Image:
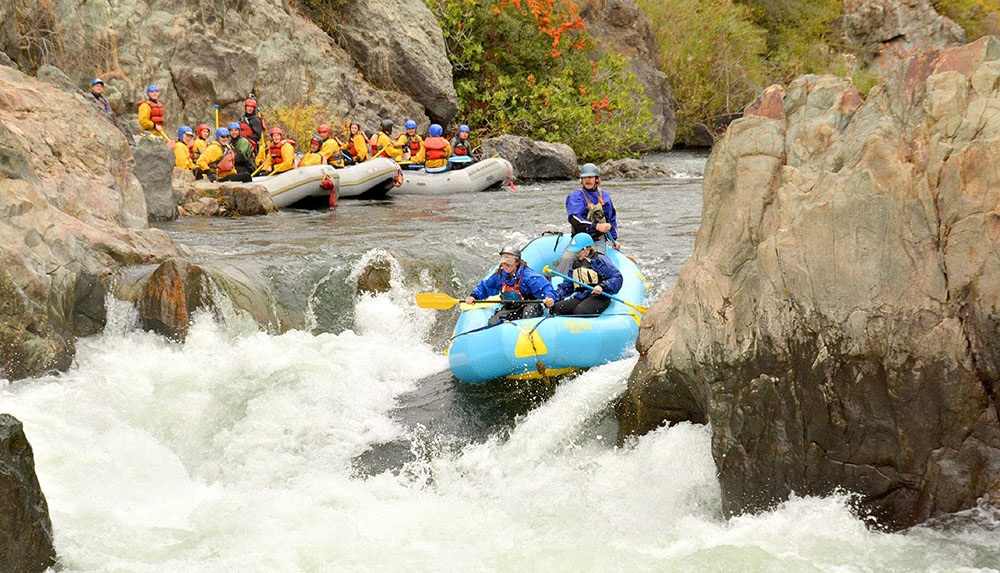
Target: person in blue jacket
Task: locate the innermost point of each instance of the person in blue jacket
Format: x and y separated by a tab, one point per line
591	268
590	210
515	281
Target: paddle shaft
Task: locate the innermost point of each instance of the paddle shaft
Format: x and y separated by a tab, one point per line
549	270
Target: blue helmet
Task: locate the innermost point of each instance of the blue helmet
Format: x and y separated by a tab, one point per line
96	81
580	241
434	130
221	132
152	88
410	124
184	129
462	128
234	125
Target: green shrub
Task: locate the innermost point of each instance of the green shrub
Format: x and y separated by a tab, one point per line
977	17
299	121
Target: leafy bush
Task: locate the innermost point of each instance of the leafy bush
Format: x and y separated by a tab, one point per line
526	67
299	121
977	17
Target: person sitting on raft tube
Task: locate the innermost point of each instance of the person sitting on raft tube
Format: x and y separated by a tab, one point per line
151	113
591	211
513	281
278	155
329	147
182	149
591	268
436	150
385	145
201	141
219	160
412	144
245	162
461	146
356	148
315	156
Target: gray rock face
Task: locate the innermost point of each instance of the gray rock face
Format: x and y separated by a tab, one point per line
398	44
154	167
620	25
25	527
915	23
55	77
225	199
533	159
837	321
628	168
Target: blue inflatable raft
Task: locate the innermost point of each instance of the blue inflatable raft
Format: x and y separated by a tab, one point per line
549	345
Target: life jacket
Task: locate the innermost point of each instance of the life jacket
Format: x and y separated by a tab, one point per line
351	150
435	147
461	146
102	101
519	273
595	212
413	143
155	111
227	162
583	272
193	152
274	150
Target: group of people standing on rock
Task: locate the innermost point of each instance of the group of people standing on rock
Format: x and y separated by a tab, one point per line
241	150
594	223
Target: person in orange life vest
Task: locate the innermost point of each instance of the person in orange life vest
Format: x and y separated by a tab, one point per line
384	144
200	142
590	268
278	155
591	211
412	144
514	281
330	147
436	150
315	155
356	148
252	123
151	116
461	146
219	160
182	149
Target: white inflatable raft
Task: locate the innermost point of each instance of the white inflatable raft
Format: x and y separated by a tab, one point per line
370	179
302	186
479	176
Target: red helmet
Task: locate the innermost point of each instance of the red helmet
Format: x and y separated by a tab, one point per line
250	102
277	130
201	127
323	130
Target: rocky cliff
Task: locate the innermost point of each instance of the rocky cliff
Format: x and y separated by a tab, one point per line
914	24
25	527
837	321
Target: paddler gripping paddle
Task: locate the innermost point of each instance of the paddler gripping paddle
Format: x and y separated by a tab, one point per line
547	271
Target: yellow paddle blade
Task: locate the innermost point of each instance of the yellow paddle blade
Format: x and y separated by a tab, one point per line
638	307
437	300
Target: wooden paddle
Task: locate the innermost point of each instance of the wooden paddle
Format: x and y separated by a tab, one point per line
547	271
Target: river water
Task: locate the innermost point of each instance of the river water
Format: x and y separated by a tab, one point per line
345	445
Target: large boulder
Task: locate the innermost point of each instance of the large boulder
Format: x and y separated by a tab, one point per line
621	26
871	24
533	159
202	53
398	45
25	527
70	207
154	167
837	321
224	199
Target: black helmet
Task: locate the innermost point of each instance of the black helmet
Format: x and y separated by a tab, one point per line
511	251
387	125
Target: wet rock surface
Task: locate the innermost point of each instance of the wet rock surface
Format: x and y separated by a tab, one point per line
836	322
533	159
25	528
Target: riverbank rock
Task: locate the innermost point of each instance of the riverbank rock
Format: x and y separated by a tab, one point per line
629	168
533	159
154	167
25	527
910	25
201	54
837	321
70	207
398	45
621	26
225	199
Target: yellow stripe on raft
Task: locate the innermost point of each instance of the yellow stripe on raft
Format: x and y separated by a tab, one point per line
534	375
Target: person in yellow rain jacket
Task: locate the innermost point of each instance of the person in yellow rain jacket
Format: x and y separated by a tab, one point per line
219	160
278	155
200	141
315	155
437	150
384	144
151	113
356	148
330	147
412	144
182	149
